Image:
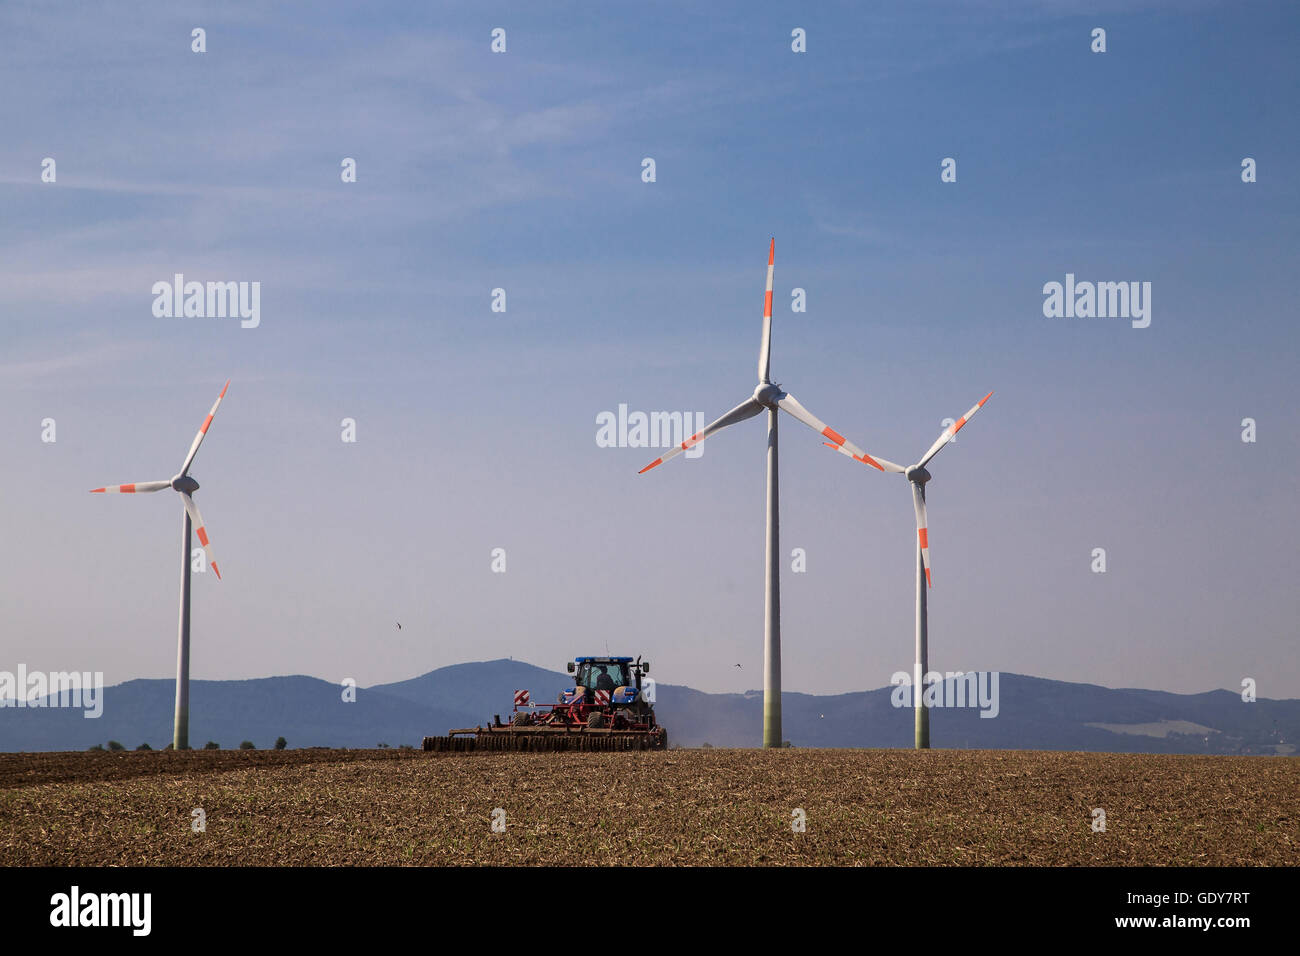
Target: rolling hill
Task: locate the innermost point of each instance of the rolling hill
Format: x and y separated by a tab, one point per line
1033	714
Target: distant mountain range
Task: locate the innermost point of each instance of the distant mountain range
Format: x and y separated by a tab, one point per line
1033	714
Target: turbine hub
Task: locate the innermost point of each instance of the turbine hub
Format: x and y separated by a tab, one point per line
917	474
185	483
768	395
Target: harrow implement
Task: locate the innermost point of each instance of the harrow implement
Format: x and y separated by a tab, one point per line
539	739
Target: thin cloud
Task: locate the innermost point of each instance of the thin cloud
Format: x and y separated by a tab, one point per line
53	369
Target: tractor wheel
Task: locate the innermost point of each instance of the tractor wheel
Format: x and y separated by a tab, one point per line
596	719
663	739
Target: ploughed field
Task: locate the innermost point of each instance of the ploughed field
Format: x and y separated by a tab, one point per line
363	807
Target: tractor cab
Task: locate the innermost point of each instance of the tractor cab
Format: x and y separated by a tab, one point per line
607	680
605	673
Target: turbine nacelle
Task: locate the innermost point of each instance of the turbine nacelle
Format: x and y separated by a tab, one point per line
917	474
185	484
768	395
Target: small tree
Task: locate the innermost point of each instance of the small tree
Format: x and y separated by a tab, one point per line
99	747
170	747
114	745
246	745
144	746
281	743
212	745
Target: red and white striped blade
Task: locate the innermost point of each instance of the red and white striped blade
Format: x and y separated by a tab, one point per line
200	531
765	348
883	464
203	430
746	409
138	488
922	529
790	404
952	430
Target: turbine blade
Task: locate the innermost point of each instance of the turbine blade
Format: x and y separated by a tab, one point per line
139	488
203	430
883	464
765	348
922	529
200	531
791	405
952	430
746	409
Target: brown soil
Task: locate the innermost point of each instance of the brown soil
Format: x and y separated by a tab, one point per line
364	807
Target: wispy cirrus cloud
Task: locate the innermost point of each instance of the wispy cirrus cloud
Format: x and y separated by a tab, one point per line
78	355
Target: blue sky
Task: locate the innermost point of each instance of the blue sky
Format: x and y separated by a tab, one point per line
476	429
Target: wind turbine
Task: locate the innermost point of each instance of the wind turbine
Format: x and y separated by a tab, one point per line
185	486
918	476
770	397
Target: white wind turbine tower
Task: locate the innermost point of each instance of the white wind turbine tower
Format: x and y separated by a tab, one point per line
771	397
918	476
186	486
